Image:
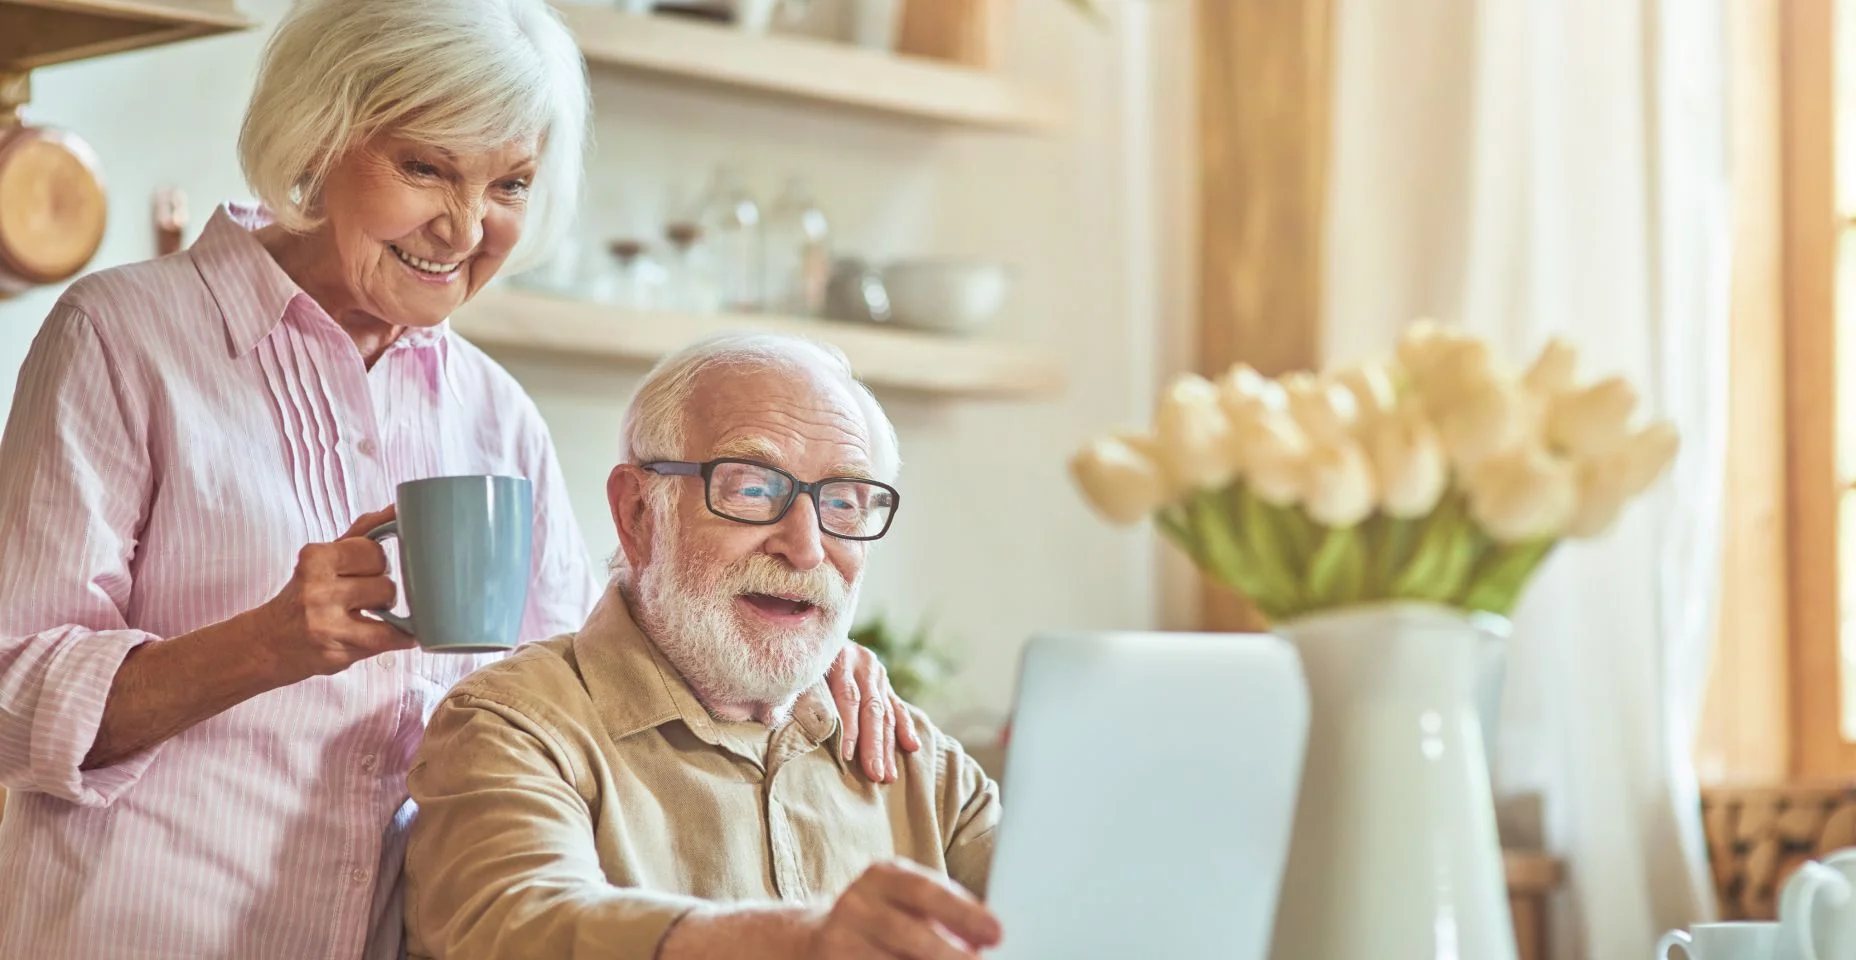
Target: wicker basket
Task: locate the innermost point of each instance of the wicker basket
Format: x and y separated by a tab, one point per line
1758	835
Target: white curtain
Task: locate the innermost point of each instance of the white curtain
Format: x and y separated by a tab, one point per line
1529	168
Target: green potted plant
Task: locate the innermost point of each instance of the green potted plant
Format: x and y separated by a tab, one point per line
917	665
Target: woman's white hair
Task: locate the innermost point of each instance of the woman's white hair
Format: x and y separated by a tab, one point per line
463	75
655	423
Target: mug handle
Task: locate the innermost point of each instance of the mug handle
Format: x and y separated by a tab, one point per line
390	529
1673	939
1799	900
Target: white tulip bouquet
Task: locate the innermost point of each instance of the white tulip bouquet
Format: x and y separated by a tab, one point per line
1437	475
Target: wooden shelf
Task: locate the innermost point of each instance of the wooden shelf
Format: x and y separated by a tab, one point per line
522	322
813	70
39	33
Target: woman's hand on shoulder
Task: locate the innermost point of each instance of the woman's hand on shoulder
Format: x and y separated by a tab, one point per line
316	624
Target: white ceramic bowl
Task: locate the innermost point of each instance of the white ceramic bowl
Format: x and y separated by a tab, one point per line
947	296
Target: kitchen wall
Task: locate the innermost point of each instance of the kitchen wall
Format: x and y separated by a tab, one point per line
993	540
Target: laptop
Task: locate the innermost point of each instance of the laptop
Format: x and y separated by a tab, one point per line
1150	790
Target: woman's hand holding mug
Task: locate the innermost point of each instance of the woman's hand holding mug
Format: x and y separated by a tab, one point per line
318	624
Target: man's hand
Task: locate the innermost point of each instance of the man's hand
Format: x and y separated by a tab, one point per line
900	911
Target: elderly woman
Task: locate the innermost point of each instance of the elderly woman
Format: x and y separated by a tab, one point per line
205	734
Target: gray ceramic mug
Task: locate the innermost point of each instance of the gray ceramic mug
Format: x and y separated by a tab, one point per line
464	557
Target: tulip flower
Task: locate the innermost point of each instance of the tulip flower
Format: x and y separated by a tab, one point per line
1325	411
1408	462
1242	389
1609	481
1371	387
1647	454
1587	423
1524	494
1274	454
1552	372
1195	435
1120	482
1340	484
1488	419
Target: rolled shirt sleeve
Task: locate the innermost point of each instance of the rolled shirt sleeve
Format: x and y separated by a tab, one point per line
74	487
501	861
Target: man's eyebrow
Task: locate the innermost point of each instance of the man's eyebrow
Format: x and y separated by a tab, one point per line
748	448
860	471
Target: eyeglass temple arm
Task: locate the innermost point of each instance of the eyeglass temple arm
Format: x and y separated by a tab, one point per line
673	468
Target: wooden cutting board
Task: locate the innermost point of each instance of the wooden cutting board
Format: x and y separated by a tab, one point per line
53	208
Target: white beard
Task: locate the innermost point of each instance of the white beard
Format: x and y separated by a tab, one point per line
690	614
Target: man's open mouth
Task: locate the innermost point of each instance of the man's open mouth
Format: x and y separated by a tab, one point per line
777	605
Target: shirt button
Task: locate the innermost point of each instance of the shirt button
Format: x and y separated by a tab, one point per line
369	762
366	446
386	660
359	876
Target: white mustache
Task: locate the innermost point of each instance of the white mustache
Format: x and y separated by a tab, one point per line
759	573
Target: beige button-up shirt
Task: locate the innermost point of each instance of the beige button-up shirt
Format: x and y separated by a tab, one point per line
576	799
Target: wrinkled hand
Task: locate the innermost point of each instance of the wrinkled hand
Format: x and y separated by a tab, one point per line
315	625
874	719
900	911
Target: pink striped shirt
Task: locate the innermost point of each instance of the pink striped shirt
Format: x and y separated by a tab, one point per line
181	428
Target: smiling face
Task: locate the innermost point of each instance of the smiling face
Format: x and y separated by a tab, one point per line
411	231
749	614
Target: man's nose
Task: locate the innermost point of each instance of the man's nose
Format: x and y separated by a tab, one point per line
796	538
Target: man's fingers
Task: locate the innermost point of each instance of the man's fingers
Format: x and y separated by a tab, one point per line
930	897
368	521
907	937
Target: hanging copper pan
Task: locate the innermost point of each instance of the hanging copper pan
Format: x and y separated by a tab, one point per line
53	208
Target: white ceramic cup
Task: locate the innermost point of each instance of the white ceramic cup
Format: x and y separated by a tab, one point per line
1720	941
1817	911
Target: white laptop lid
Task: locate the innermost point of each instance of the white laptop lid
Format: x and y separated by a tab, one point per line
1150	793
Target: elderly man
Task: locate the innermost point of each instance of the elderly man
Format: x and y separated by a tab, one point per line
670	783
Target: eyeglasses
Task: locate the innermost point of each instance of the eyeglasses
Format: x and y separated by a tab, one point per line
748	491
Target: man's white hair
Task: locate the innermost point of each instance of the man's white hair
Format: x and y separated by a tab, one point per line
464	75
655	426
656	423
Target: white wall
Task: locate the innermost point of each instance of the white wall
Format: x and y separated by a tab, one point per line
993	538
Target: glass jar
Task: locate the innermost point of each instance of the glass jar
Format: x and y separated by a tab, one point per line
797	251
730	223
633	279
691	283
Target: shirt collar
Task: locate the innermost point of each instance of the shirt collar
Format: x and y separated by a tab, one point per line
255	294
635	689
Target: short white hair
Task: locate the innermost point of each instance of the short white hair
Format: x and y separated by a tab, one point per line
463	75
656	422
656	425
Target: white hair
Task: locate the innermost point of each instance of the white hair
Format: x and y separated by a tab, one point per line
463	75
655	426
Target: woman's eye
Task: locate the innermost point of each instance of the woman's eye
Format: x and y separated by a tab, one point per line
419	168
515	188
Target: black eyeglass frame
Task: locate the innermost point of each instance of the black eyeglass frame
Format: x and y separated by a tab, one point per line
706	469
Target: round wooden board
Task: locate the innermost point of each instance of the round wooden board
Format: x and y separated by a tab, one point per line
53	209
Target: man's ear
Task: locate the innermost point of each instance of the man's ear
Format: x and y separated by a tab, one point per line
631	513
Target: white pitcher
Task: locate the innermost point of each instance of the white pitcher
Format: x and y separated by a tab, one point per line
1816	912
